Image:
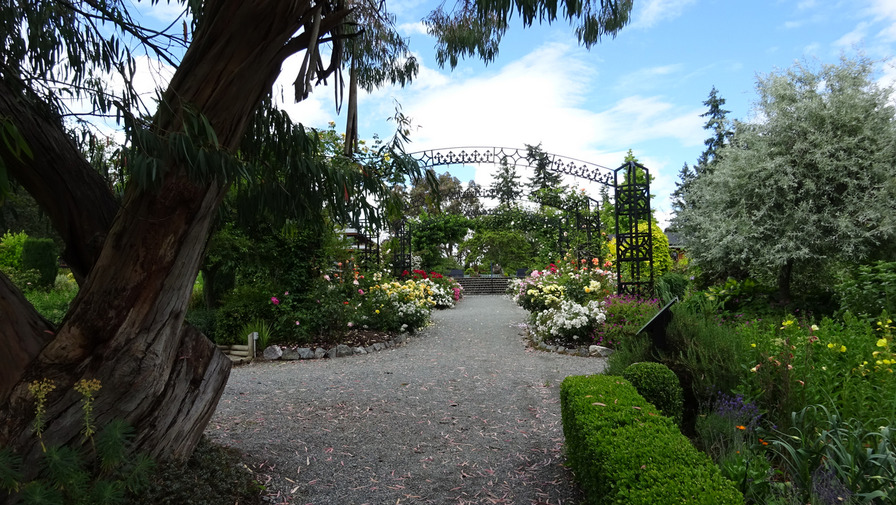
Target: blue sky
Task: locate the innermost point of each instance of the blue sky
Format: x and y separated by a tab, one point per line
642	90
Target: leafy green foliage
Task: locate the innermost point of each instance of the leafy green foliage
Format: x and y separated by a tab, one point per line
243	305
662	257
507	248
11	245
869	290
68	475
506	186
443	193
659	385
476	28
671	285
41	254
706	353
435	237
831	459
623	451
53	304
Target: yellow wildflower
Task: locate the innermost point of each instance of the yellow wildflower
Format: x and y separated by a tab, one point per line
882	342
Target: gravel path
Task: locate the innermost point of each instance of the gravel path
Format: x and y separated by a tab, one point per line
463	413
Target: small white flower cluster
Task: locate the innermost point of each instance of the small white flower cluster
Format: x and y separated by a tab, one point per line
569	321
441	294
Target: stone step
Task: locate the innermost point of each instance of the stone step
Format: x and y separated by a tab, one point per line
484	285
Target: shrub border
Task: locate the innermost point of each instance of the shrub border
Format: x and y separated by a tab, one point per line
624	452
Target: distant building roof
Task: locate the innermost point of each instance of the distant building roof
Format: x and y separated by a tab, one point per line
675	240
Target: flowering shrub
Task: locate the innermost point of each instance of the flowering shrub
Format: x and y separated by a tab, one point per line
569	322
565	301
626	314
345	298
581	281
849	364
397	306
445	290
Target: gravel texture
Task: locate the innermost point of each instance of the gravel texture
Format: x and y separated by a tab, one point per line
463	413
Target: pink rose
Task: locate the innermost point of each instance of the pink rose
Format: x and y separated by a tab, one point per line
275	301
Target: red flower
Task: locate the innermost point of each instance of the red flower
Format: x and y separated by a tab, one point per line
275	301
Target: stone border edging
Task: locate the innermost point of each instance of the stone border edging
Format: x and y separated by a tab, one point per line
277	353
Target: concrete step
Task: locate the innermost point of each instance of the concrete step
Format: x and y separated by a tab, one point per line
484	285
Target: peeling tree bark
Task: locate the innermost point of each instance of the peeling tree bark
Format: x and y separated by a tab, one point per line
126	326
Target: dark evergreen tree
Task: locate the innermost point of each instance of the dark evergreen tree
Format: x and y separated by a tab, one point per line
543	178
506	186
720	127
685	176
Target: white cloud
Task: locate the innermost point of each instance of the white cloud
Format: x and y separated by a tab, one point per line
646	78
655	11
545	97
812	49
855	37
417	28
150	76
884	11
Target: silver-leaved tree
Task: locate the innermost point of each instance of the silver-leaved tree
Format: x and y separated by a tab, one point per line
806	186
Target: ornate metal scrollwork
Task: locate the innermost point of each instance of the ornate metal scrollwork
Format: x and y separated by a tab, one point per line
634	246
514	156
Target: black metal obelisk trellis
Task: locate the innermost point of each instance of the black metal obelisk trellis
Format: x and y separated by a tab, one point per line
634	242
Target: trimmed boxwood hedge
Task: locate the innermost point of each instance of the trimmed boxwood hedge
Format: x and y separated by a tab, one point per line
624	452
659	385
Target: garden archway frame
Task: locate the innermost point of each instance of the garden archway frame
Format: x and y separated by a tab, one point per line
634	243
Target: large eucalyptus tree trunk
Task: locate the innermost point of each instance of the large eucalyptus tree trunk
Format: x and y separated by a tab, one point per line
126	326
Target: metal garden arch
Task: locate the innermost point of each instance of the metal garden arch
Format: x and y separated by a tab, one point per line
631	190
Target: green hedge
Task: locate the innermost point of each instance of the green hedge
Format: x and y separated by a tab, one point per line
659	385
624	452
41	254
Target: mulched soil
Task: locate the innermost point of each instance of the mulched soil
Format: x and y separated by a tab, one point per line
352	338
464	413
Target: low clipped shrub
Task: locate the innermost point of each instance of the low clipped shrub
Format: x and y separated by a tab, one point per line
659	385
624	452
41	254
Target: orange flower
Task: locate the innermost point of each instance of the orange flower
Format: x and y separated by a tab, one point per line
741	427
763	442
